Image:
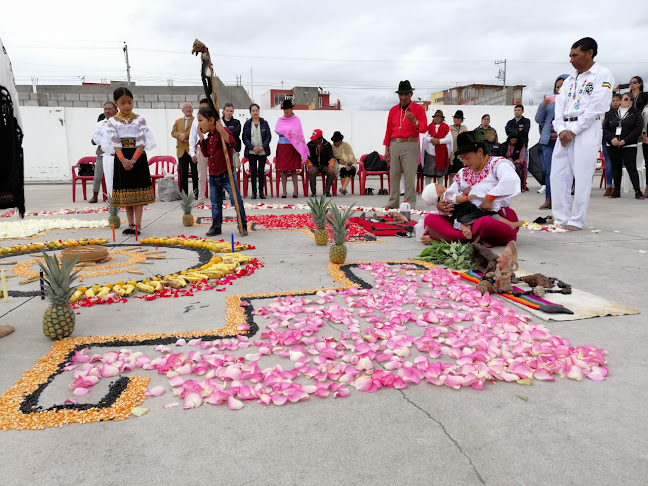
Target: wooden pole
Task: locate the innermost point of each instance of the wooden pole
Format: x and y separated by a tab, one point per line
199	47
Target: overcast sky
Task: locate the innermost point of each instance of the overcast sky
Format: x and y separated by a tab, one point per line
357	50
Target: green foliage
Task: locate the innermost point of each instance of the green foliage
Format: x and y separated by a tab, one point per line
453	255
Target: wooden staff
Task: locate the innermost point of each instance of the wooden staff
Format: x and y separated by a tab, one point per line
200	48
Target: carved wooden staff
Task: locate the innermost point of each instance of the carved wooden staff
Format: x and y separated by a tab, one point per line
209	84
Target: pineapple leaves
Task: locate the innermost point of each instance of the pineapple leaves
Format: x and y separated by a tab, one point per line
59	277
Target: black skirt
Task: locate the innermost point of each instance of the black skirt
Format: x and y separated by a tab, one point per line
132	187
12	183
468	213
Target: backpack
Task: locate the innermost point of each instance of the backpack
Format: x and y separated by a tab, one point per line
373	163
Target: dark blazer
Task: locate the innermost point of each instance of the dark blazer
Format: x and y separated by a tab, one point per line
631	126
266	136
234	127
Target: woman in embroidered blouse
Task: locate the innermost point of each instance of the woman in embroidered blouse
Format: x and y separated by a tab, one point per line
494	181
129	134
256	138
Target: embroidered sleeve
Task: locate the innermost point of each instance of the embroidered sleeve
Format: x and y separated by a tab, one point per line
110	139
144	135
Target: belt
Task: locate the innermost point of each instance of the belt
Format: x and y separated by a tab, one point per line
128	143
575	118
408	139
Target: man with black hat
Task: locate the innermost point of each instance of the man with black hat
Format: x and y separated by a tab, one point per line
405	122
320	161
345	158
456	128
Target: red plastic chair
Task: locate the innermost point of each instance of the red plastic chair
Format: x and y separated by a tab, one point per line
278	177
420	181
363	174
323	177
162	163
75	177
601	167
245	170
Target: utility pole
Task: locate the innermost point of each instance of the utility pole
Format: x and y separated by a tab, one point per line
502	73
127	64
251	86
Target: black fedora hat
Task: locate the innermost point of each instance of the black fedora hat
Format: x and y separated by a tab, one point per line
337	137
404	87
467	142
287	103
459	114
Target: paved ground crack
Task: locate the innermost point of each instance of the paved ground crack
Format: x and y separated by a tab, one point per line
445	431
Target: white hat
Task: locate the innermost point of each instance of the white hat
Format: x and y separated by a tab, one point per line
430	196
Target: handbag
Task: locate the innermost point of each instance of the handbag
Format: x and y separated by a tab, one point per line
86	170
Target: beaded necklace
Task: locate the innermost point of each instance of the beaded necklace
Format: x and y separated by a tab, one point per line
125	118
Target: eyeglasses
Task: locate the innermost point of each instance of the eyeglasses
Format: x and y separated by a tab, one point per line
634	82
626	99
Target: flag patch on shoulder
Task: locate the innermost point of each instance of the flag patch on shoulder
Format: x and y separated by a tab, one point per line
607	85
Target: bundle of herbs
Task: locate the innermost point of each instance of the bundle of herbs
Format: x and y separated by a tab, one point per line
453	255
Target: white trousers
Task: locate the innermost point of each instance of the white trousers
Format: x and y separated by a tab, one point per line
109	172
203	175
575	162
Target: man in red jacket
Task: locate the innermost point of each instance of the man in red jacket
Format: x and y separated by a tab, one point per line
405	122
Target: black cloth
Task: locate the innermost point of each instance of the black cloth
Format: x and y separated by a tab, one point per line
184	164
455	166
522	127
132	187
346	171
12	180
266	137
535	163
624	157
322	156
641	101
257	171
468	213
631	126
234	127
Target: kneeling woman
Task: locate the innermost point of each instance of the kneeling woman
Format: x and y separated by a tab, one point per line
492	178
128	135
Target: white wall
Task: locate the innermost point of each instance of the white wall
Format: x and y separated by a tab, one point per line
56	138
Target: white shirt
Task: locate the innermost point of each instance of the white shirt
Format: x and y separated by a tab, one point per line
193	138
116	129
428	147
584	95
100	134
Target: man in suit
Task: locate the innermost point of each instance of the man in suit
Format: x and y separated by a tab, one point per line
181	131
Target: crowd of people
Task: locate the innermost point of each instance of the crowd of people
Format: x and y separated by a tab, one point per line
571	136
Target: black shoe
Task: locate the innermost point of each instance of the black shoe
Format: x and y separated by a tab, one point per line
639	195
313	194
295	196
615	194
284	196
343	192
262	196
328	194
213	231
128	231
245	231
253	196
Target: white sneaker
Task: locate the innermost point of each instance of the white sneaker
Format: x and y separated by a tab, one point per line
542	189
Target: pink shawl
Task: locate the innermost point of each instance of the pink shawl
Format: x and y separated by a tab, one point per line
291	129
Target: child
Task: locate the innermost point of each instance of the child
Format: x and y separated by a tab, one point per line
128	135
212	148
466	207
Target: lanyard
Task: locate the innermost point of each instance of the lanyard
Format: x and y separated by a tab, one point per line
624	116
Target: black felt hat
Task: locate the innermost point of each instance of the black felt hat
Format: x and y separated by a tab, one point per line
459	114
467	142
404	87
337	137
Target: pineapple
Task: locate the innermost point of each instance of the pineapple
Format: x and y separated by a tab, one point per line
113	211
186	203
338	221
319	208
58	321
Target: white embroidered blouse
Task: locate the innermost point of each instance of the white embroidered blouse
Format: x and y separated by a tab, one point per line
118	128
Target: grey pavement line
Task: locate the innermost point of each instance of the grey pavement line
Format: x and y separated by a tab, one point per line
8	312
445	431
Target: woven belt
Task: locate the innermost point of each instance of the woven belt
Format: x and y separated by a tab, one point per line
408	139
128	143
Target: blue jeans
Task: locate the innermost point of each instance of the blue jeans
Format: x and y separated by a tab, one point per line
216	185
547	152
608	166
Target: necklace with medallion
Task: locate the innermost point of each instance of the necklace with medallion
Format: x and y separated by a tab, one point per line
402	116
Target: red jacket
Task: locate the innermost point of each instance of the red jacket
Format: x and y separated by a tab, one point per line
212	148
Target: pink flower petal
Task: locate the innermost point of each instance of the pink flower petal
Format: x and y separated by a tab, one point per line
234	404
79	392
171	405
192	400
155	391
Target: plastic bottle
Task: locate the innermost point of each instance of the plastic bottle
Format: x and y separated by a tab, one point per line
405	209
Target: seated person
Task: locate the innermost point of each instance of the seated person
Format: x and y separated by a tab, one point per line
466	207
345	159
515	151
320	161
494	181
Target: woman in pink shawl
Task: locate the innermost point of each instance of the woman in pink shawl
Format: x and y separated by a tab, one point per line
292	151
